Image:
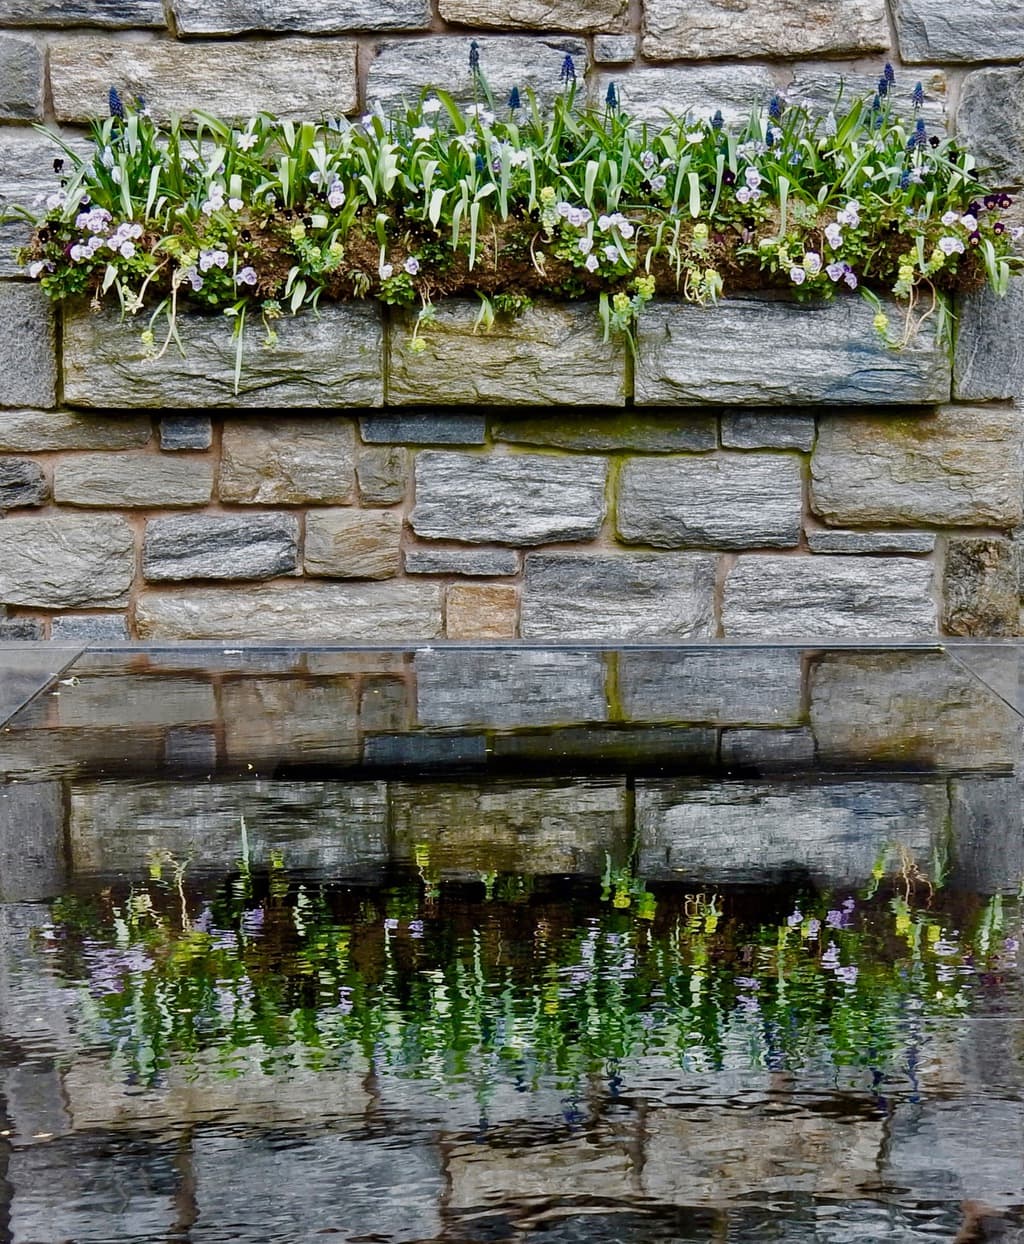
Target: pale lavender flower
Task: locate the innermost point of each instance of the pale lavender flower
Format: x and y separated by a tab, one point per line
830	959
745	194
585	245
812	263
412	265
416	928
658	183
949	218
797	275
591	263
197	283
969	222
611	253
236	205
336	195
247	276
850	214
36	269
752	177
386	271
127	249
951	246
836	270
796	918
390	924
850	277
813	927
848	975
648	159
834	235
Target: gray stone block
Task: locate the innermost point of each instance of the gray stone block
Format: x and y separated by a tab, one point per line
471	562
424	751
878	598
933	30
186	432
220	546
330	359
26	177
614	49
191	747
980	590
763	352
53	561
752	430
990	123
295	78
602	747
988	834
402	68
518	499
989	358
705	29
140	480
22	483
353	544
298	613
817	88
724	500
821	540
21	628
36	431
90	627
118	14
28	347
550	355
532	15
668	433
287	461
766	751
955	466
648	92
383	475
21	78
618	596
404	428
319	17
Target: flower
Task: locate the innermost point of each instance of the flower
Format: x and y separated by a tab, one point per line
567	73
951	246
658	183
746	195
590	263
850	277
797	275
796	918
812	263
127	249
236	205
717	121
889	74
430	106
648	159
386	271
412	265
247	276
850	214
474	56
969	222
752	177
834	236
514	101
611	253
423	133
585	245
611	99
695	136
246	142
114	101
949	218
831	125
336	194
775	107
848	975
212	259
194	279
480	113
917	96
836	271
881	325
35	270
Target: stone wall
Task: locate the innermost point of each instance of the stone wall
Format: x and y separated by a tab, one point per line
757	470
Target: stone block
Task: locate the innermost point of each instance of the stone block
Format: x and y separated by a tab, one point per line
647	92
668	433
980	590
90	627
988	834
383	475
817	88
402	68
932	30
532	15
518	499
330	359
26	178
724	500
479	563
719	687
385	704
601	748
132	480
317	17
990	123
425	751
36	431
765	352
353	544
705	29
308	613
614	49
407	428
220	546
550	355
277	722
824	540
989	358
287	461
22	483
852	597
481	611
31	841
28	345
955	466
118	14
291	78
21	78
766	751
186	432
58	560
21	628
774	430
97	702
618	596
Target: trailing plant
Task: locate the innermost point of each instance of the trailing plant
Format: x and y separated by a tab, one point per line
510	201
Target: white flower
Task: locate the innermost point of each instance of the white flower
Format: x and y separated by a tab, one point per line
951	246
604	223
386	271
54	201
591	263
648	159
812	263
626	230
236	205
430	106
35	270
481	114
970	223
850	214
695	137
466	141
578	217
518	159
134	231
423	133
834	236
752	177
107	157
611	253
116	176
246	142
127	249
949	218
831	126
586	245
658	183
797	275
79	252
412	265
745	194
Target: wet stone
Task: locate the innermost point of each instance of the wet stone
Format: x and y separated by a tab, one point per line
270	721
31	841
988	830
667	433
191	747
830	540
21	628
90	627
186	432
353	544
22	483
767	431
423	429
21	78
990	122
767	750
383	475
289	462
981	594
480	563
413	751
28	335
135	480
206	546
629	747
53	561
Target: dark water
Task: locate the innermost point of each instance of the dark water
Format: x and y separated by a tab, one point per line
404	951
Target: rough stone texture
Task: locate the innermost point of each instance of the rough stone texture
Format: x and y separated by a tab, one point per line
817	87
269	722
402	68
981	594
958	465
760	751
232	17
404	428
646	748
699	29
518	499
31	839
990	122
296	78
745	687
549	355
314	613
26	177
383	475
472	562
481	611
68	559
275	461
118	480
330	359
614	49
763	352
666	433
878	597
209	546
939	31
989	357
110	13
28	343
730	501
821	540
21	78
22	483
647	92
90	627
353	544
186	432
777	430
20	628
589	15
618	596
36	431
988	834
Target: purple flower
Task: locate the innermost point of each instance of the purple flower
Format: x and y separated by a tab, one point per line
797	276
412	265
474	56
835	270
246	277
795	919
567	73
611	99
917	96
775	107
514	101
848	975
116	106
717	121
